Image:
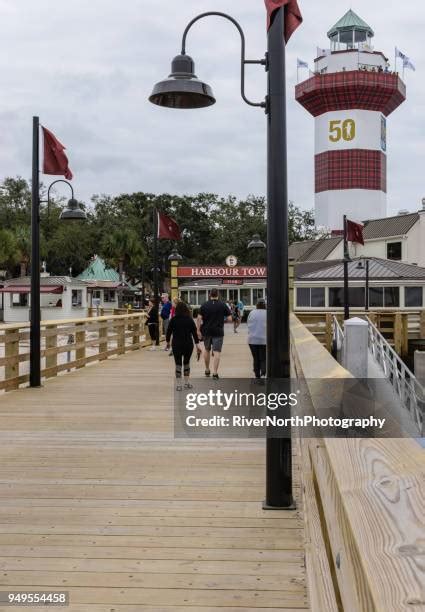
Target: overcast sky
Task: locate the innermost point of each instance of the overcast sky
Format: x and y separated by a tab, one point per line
87	68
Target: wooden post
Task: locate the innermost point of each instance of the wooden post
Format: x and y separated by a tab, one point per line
103	339
11	352
422	325
52	343
405	335
291	274
328	341
174	279
120	330
398	333
136	334
80	338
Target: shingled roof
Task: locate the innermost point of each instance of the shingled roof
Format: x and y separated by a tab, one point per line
379	269
313	250
389	226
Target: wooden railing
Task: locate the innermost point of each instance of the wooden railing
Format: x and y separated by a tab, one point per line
68	344
363	508
397	327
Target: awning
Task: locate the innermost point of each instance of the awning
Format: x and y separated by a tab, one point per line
26	289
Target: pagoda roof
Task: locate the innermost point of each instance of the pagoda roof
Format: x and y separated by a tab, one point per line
350	21
97	270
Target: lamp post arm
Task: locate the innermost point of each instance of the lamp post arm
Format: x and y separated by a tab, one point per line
244	61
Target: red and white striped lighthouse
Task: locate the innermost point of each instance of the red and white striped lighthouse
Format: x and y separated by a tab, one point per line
350	95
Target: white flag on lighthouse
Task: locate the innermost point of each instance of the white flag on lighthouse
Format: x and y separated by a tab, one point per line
322	52
407	63
301	63
400	54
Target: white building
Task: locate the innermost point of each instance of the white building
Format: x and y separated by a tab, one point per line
61	297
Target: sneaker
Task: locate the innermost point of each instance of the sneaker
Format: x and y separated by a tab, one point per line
170	354
207	373
152	348
166	349
188	386
215	377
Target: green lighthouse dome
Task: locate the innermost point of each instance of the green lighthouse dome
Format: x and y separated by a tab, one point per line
350	31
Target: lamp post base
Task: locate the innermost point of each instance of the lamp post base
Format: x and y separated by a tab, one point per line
265	506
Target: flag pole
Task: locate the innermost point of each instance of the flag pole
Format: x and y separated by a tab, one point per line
346	258
367	286
155	267
35	335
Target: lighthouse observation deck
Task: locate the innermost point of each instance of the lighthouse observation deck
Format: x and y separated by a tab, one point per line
359	89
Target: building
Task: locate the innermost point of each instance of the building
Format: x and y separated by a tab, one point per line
105	288
397	238
350	95
392	285
62	297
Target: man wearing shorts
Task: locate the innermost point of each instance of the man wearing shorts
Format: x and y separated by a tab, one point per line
210	324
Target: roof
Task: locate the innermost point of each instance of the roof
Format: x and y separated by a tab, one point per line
398	225
313	250
45	281
99	271
379	269
350	21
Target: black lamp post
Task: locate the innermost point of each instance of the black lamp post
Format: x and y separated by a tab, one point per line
72	211
183	90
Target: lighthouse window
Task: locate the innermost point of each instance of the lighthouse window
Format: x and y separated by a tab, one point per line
359	36
394	251
346	37
413	297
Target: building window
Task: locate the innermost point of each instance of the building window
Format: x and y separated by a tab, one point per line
376	297
413	297
246	296
109	296
257	294
356	297
222	294
202	296
193	298
77	298
234	295
391	297
310	297
19	300
184	296
394	251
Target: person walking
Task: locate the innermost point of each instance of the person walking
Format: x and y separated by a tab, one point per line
152	322
165	313
182	330
174	303
210	324
236	316
257	338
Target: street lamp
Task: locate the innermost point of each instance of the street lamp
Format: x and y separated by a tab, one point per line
71	212
174	259
183	90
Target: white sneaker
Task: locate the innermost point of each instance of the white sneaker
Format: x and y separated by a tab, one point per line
152	348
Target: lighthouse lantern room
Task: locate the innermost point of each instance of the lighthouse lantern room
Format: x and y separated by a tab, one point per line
350	95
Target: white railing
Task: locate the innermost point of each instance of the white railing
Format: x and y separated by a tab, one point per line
337	339
405	385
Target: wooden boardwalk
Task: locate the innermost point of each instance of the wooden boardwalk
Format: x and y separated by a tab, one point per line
98	499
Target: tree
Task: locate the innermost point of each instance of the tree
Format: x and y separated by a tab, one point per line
123	248
9	254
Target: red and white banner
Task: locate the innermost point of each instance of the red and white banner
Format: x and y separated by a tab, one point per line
222	272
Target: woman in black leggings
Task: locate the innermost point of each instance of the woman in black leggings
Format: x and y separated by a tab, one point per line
182	329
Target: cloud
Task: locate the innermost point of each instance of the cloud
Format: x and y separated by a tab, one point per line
87	68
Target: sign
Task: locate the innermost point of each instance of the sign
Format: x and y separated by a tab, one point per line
231	261
244	272
232	281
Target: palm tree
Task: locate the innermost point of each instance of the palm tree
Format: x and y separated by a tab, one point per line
123	247
23	245
9	253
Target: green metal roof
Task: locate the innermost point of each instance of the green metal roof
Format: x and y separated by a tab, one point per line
350	21
98	270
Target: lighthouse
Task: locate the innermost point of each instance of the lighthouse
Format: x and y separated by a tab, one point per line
350	95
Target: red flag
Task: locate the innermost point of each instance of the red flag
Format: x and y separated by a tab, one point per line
55	160
355	232
168	228
293	17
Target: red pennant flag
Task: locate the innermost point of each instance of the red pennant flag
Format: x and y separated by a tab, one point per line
55	160
355	232
167	228
293	17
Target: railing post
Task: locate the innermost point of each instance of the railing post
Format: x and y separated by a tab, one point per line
136	333
329	334
80	338
398	333
103	339
120	330
11	352
51	343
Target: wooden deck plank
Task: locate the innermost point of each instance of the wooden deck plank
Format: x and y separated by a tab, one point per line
99	499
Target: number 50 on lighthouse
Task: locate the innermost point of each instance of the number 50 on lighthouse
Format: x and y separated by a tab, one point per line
345	130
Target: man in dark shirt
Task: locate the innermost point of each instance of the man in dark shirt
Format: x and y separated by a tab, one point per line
210	324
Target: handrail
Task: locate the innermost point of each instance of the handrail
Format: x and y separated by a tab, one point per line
337	339
68	344
405	384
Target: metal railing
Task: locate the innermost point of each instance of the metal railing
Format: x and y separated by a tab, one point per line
407	388
337	339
